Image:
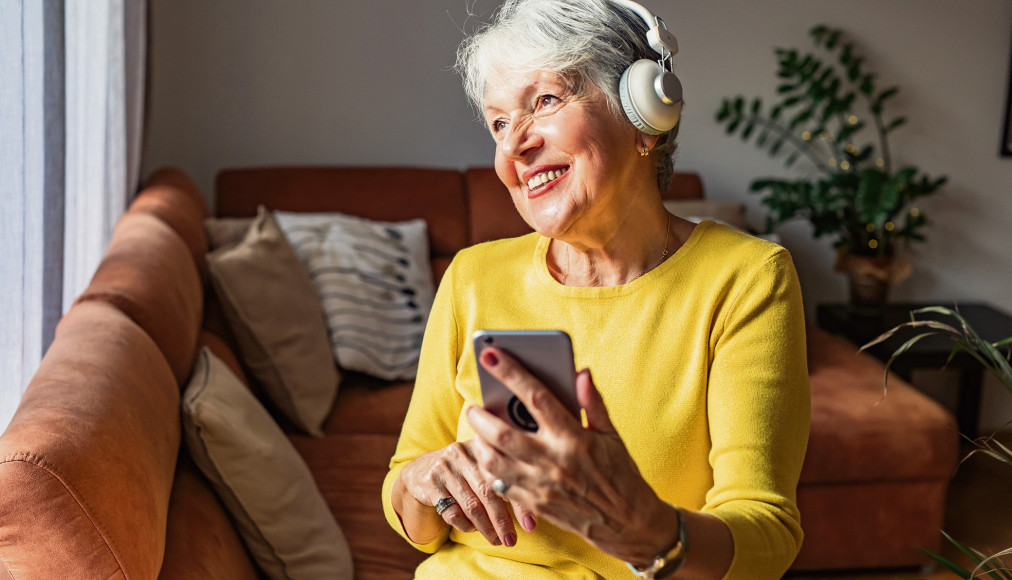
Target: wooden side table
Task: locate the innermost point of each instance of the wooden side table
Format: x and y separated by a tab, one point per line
932	352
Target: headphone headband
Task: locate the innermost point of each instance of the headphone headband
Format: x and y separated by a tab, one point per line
660	39
651	93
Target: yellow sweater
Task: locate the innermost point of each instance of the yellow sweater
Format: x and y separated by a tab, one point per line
702	366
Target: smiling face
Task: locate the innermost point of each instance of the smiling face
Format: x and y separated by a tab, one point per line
567	161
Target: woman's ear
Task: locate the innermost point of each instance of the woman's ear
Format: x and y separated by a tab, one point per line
645	141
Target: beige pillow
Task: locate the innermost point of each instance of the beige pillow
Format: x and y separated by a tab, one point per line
730	213
261	478
223	232
274	312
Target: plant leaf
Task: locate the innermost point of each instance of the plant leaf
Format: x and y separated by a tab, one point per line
1004	570
975	556
946	563
895	124
775	148
902	349
747	131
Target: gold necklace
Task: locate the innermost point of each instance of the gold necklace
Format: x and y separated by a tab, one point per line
664	254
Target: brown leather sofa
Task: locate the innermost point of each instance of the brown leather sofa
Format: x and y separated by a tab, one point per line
95	484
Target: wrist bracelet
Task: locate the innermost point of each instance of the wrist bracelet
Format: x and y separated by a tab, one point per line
669	561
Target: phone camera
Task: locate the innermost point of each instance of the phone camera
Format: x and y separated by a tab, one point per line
488	340
520	416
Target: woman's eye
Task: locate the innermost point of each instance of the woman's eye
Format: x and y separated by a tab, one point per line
497	125
547	101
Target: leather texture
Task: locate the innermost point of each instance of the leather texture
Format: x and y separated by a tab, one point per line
87	462
349	469
864	435
173	198
201	543
149	274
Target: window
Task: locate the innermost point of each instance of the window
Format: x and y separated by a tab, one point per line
71	86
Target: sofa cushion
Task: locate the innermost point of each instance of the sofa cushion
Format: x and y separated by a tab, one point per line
92	450
149	274
870	524
260	478
349	469
860	433
201	543
374	284
368	405
274	314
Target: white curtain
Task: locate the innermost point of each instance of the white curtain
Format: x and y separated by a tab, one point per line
105	90
71	101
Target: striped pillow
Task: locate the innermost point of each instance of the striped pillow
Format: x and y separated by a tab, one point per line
375	286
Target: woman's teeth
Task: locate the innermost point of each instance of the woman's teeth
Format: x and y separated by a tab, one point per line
544	177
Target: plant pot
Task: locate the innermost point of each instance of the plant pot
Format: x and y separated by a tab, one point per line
868	294
870	278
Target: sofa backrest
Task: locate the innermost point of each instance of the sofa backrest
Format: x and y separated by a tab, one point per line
461	209
386	194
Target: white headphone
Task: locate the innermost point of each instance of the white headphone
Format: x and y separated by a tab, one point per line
651	93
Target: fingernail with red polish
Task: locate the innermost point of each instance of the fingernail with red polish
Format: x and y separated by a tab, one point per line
530	523
510	540
497	541
490	358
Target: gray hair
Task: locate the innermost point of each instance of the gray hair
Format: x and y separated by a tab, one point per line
585	41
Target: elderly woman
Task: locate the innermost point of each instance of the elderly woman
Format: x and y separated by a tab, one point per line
694	388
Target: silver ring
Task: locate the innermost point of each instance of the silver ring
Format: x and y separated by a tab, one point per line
500	487
444	504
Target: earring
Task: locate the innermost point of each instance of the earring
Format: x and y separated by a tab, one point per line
644	152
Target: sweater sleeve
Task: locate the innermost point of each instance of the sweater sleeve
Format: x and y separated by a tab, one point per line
434	411
758	406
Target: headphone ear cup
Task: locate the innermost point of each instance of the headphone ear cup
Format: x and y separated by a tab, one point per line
640	101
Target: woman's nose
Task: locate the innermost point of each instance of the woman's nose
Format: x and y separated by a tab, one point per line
520	140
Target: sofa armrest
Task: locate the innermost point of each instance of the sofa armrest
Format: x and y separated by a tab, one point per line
87	462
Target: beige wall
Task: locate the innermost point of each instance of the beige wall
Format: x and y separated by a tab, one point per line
253	82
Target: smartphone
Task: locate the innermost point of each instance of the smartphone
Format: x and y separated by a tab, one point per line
547	354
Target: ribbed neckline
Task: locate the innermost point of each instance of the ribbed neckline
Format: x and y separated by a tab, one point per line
551	284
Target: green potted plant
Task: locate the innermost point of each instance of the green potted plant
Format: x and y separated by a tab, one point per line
852	191
964	339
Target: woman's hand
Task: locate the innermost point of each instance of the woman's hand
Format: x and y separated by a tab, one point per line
583	480
453	472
